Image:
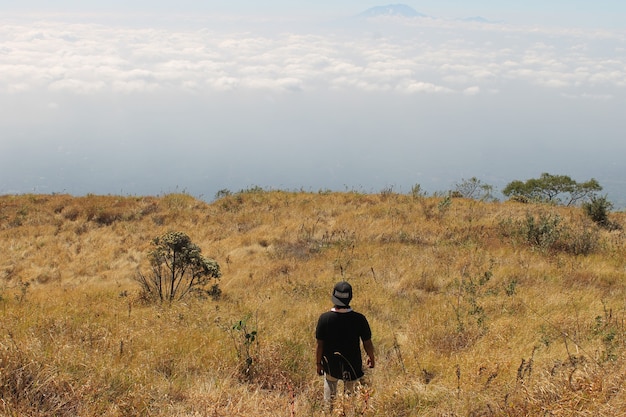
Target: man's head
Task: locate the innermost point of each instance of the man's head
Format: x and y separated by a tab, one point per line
342	294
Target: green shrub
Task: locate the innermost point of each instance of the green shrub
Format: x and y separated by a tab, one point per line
548	233
543	232
597	209
178	268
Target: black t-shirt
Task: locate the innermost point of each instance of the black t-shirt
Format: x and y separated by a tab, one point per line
342	333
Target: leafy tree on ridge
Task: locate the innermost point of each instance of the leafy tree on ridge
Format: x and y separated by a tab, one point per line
554	189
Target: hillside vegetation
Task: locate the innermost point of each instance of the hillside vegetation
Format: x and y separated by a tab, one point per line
476	308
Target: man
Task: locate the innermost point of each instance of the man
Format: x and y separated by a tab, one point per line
339	334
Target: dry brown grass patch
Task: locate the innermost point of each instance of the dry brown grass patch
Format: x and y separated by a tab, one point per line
455	304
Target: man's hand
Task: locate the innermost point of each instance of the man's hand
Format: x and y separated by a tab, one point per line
319	352
369	349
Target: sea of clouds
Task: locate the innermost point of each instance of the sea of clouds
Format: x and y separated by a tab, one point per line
56	53
148	103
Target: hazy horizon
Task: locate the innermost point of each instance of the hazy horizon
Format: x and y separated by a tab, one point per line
111	99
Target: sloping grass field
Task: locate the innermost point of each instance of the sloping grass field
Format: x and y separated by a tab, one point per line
477	308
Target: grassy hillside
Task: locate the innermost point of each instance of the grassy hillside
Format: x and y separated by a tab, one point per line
476	308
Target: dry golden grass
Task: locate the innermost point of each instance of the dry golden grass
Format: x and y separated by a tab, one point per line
468	318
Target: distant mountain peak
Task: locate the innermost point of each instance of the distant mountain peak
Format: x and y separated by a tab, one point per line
398	10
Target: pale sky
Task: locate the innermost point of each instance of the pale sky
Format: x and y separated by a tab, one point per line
602	13
146	97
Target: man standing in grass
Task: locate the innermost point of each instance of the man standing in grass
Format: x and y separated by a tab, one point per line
339	334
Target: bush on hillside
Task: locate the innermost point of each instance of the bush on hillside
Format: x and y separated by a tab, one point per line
178	269
548	233
597	209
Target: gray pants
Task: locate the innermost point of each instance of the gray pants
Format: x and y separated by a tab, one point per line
330	388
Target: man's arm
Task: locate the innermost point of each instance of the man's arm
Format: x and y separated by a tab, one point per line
369	349
319	353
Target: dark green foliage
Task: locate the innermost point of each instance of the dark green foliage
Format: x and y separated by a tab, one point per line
558	189
224	192
245	341
543	232
597	209
548	233
178	268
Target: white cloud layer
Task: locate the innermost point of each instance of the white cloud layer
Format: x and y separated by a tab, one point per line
426	56
110	104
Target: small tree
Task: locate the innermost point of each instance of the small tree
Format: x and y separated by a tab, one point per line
177	269
597	209
553	189
474	189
